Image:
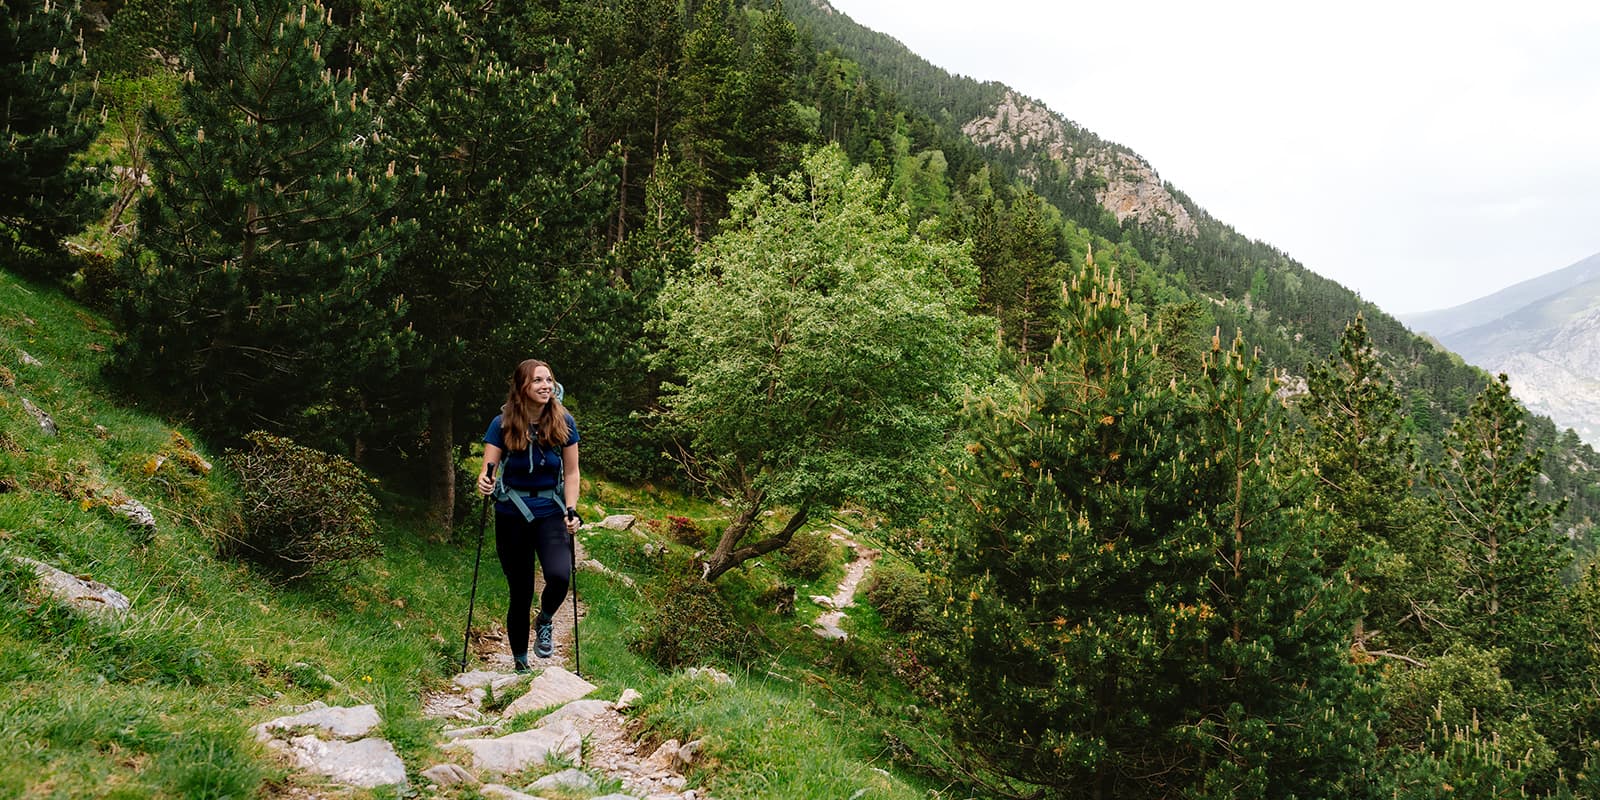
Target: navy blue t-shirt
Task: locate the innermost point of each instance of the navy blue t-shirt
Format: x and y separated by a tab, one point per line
532	469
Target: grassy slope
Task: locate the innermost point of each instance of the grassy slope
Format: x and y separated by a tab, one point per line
158	704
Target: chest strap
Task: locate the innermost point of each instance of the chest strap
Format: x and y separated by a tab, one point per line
503	492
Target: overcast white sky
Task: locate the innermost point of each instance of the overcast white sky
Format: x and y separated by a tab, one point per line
1422	153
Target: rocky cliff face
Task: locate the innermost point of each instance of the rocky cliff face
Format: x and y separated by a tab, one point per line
1562	378
1127	186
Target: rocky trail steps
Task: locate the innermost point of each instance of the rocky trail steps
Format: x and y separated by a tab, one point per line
586	741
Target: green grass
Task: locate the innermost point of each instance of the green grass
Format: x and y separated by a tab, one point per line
159	702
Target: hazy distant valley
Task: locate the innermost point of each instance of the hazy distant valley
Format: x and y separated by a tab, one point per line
1543	333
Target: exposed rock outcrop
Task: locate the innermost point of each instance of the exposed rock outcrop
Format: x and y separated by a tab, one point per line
1126	185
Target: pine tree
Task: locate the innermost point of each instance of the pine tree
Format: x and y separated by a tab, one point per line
1140	609
1364	462
632	61
505	201
253	278
709	95
47	190
770	135
1503	561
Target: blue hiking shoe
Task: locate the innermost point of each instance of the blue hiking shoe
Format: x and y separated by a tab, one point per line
544	637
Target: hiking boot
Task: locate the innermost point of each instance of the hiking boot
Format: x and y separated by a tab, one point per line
520	663
544	637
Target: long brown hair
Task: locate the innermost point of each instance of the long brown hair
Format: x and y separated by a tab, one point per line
516	416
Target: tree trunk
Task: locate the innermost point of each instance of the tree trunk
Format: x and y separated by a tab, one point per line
440	462
728	554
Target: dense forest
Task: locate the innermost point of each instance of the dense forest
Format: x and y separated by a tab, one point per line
1192	521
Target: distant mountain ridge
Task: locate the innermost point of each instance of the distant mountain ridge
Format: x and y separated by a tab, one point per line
1487	309
1544	334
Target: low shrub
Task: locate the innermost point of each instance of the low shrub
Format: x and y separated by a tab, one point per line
305	511
687	623
810	554
682	530
900	594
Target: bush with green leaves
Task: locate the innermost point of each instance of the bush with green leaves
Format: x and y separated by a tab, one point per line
687	623
900	594
305	511
809	555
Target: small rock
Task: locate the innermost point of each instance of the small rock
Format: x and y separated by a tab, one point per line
502	792
79	593
449	775
570	780
344	723
28	359
691	750
595	566
665	756
47	424
137	514
628	698
713	674
822	600
618	522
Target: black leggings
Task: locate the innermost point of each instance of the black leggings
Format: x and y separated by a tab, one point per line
519	543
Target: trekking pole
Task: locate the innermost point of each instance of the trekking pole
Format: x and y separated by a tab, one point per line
483	522
577	653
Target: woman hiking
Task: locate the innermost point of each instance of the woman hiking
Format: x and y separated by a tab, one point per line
535	442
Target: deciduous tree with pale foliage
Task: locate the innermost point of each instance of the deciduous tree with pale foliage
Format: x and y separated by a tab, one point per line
821	347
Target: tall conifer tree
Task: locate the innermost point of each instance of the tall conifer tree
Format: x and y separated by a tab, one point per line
487	124
47	192
254	276
1504	562
1139	608
1364	461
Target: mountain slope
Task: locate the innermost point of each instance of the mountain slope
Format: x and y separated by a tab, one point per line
1294	315
1487	309
1544	334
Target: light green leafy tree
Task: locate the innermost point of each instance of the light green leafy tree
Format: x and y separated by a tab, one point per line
821	346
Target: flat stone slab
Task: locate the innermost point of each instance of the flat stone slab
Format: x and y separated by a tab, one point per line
365	764
82	595
554	687
516	752
579	711
344	723
498	791
477	679
572	781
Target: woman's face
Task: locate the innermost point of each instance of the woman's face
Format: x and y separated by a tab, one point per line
542	386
